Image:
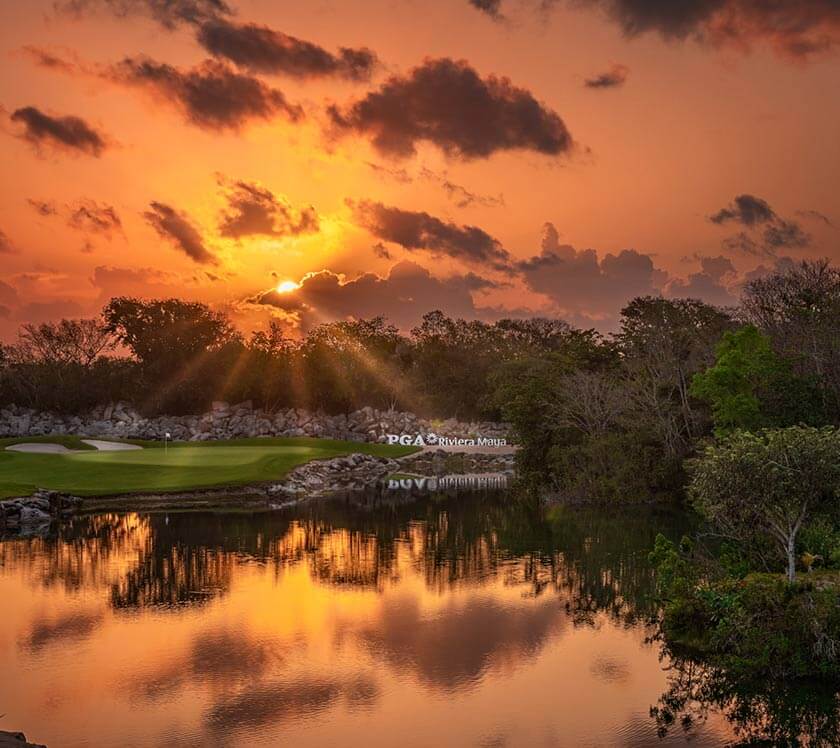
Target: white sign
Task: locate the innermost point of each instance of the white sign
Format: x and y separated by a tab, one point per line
432	440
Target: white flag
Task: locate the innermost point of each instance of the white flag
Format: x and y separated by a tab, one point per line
168	435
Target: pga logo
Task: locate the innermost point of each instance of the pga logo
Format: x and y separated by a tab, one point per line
407	440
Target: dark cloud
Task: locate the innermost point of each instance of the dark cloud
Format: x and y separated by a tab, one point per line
90	216
44	208
795	28
816	216
492	8
65	133
177	228
50	60
6	246
417	230
264	50
380	250
168	13
83	215
254	210
447	103
460	195
783	234
211	95
576	280
403	296
397	174
767	232
711	284
8	295
613	78
745	209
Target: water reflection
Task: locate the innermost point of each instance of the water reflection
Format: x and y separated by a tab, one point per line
766	713
452	619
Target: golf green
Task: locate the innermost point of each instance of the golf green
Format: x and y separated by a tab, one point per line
181	467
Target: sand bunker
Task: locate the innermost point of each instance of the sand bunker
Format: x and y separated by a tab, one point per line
56	449
104	446
39	448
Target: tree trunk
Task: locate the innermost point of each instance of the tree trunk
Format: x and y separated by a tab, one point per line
791	573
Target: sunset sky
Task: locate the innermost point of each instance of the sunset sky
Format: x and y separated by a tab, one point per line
489	158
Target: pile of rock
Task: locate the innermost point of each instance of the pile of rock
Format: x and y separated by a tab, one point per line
355	471
226	421
440	462
30	513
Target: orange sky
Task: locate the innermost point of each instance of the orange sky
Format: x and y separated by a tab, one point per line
698	121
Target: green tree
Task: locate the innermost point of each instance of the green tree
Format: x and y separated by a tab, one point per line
663	343
750	387
767	485
186	351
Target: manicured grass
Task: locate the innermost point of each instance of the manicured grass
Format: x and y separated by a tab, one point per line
184	466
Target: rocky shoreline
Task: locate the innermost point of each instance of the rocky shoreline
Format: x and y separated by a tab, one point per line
225	421
34	515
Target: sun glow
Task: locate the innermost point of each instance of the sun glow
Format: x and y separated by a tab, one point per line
287	286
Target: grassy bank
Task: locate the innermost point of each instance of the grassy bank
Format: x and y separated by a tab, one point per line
183	467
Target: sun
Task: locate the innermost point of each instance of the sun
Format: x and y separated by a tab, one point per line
287	286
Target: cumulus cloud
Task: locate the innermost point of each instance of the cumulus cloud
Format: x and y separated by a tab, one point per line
816	216
448	104
492	8
8	295
168	13
68	133
748	210
44	208
403	296
615	77
84	215
766	232
417	230
794	28
176	228
263	50
577	280
254	210
92	217
711	284
210	95
461	196
47	59
6	246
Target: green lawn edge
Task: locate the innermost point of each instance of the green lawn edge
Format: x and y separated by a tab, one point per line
92	473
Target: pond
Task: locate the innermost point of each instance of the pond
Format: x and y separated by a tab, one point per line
404	617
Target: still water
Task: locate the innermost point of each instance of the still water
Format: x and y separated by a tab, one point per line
446	619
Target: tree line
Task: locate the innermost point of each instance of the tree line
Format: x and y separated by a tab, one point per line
596	415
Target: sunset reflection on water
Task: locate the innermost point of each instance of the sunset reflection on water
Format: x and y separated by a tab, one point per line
330	625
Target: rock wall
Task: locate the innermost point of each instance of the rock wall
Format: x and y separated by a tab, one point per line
231	421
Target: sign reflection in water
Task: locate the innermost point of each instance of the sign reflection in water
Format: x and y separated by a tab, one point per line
455	619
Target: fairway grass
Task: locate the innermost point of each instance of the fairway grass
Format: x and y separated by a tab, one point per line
181	467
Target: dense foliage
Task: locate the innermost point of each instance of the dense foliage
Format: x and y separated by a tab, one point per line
597	417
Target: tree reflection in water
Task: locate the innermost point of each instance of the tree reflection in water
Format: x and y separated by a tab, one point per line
595	556
766	713
585	563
